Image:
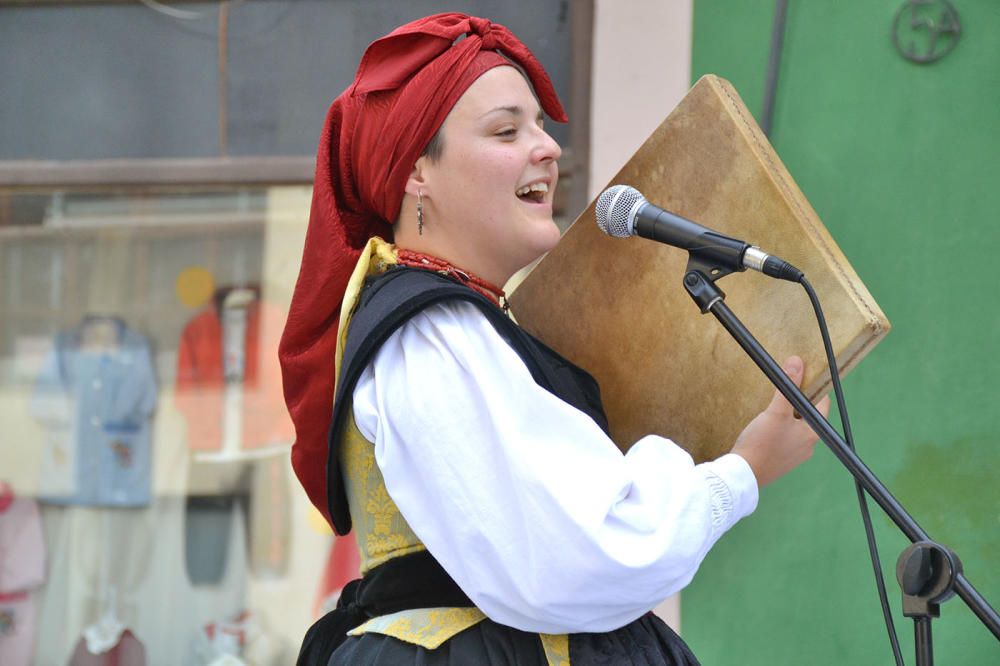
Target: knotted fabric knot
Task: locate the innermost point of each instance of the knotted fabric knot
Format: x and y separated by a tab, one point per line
484	29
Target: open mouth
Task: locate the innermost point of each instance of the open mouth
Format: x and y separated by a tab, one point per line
533	193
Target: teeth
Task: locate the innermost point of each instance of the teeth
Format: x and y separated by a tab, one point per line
534	187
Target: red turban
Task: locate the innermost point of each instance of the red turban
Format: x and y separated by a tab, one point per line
375	131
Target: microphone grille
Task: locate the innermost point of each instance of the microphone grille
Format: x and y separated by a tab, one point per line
614	210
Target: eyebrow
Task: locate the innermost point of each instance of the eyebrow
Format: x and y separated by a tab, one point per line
514	110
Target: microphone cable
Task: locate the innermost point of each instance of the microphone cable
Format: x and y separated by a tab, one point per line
616	211
862	499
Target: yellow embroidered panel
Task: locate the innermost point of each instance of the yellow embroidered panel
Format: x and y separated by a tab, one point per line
556	648
431	627
379	528
426	627
376	257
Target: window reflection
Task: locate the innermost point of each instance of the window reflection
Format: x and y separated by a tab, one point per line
146	504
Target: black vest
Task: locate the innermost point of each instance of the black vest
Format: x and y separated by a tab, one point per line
389	301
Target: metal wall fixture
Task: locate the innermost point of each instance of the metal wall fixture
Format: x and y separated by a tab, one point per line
925	31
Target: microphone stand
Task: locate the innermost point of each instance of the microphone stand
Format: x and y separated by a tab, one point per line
928	572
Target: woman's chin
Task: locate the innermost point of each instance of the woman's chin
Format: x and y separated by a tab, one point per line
551	237
544	239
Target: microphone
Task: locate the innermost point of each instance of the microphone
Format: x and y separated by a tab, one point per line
622	211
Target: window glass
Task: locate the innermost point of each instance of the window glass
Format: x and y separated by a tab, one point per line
145	439
147	501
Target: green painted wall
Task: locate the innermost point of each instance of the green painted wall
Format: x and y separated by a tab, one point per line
902	163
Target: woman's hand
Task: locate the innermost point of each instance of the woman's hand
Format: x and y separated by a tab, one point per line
776	442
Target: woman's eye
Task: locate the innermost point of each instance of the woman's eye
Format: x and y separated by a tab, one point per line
507	132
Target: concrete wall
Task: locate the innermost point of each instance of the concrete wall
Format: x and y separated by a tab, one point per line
641	69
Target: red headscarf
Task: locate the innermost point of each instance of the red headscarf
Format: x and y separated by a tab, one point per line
405	86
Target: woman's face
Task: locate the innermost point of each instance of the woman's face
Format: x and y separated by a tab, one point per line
488	197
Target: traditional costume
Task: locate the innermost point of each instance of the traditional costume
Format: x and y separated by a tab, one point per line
539	542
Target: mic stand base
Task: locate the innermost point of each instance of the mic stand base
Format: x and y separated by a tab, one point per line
926	572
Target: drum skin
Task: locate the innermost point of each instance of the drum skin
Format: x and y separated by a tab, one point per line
618	308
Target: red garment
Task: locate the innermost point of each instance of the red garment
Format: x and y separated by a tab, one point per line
200	387
6	496
405	86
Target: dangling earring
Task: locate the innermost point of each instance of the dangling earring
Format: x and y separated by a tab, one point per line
420	213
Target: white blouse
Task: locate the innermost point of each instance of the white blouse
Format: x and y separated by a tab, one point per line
524	501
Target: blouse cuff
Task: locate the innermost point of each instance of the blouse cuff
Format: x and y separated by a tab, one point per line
733	489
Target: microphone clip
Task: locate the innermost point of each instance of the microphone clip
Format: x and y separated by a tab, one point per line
702	288
707	264
703	269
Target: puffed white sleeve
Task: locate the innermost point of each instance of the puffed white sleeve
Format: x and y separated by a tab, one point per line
522	498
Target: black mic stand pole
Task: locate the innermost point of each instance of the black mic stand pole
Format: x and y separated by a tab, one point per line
929	573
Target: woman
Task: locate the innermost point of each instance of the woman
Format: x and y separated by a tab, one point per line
497	522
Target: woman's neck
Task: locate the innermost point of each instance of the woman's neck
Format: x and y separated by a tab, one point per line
431	262
469	259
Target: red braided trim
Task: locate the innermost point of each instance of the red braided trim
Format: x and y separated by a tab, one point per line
474	282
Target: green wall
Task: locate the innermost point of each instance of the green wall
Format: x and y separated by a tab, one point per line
902	163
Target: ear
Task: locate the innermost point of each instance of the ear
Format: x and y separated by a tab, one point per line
417	182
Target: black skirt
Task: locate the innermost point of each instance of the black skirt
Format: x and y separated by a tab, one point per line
417	580
647	641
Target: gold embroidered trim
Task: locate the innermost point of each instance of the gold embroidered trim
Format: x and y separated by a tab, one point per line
426	627
556	648
379	528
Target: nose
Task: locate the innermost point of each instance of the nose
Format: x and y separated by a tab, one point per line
546	148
